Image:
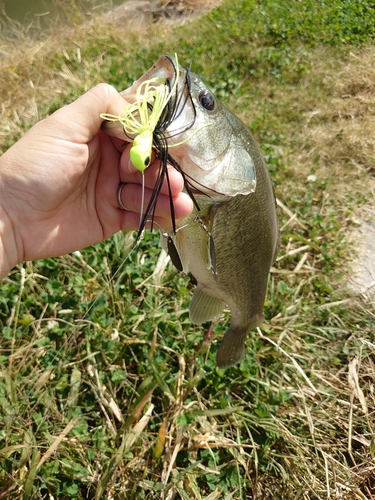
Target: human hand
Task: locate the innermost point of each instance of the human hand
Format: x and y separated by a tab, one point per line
59	184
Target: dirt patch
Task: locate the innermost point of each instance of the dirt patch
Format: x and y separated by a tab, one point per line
362	280
142	13
337	143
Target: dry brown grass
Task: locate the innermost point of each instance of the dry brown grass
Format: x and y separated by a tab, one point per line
30	81
344	127
31	76
337	138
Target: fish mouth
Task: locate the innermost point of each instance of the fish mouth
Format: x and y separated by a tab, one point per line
165	68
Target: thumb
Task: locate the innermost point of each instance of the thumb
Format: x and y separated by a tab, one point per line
83	115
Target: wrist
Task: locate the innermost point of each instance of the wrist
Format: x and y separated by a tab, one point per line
8	247
9	255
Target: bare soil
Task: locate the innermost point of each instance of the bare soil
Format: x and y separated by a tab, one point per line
363	279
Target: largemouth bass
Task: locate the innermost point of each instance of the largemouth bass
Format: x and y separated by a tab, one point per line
230	240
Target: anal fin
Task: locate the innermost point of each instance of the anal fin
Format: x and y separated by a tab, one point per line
204	306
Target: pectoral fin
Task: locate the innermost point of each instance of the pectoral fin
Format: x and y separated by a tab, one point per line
209	251
203	306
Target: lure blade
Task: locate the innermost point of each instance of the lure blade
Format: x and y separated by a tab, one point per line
173	254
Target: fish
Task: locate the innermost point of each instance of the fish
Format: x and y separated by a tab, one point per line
231	239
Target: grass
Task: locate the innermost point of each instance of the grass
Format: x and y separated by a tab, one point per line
106	389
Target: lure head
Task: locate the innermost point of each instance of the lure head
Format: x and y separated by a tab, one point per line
141	151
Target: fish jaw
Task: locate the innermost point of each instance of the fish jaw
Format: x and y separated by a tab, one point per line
220	163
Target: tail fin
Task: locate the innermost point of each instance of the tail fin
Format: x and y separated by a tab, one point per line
232	347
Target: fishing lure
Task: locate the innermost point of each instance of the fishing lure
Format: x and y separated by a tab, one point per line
142	117
157	105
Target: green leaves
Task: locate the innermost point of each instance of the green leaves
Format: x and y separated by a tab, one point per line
331	21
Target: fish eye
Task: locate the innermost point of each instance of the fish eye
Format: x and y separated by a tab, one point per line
147	161
207	100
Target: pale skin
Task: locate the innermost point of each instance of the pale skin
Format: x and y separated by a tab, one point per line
59	184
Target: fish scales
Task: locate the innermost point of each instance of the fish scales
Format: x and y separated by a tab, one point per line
229	244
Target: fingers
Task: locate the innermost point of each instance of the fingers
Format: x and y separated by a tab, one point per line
131	195
131	198
131	222
83	115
